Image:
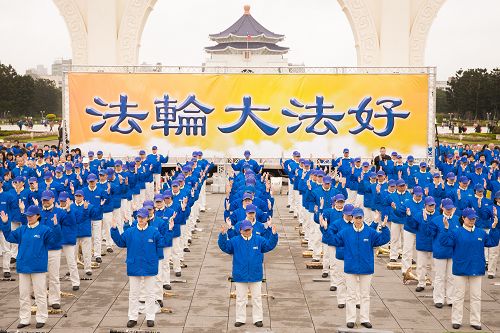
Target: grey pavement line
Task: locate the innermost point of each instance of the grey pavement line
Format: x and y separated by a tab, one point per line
296	270
202	261
117	295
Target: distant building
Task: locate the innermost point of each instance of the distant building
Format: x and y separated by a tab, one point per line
60	65
247	43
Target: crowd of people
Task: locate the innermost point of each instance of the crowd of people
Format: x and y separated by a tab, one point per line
442	219
53	204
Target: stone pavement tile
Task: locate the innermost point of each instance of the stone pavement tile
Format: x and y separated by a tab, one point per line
6	322
210	292
464	328
75	321
328	321
287	302
408	321
210	311
79	330
290	322
221	329
206	322
295	330
210	301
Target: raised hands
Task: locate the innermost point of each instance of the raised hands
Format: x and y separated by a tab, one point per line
4	217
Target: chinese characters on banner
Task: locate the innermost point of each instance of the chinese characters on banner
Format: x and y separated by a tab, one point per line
190	116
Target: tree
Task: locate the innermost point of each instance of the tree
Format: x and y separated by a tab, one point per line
23	95
473	93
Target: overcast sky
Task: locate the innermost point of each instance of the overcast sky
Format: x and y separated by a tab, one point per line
318	34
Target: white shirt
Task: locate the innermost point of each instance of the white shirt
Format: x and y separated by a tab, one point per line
142	229
358	229
34	225
247	238
469	229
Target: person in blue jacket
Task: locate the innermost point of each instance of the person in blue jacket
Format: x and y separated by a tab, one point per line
359	242
33	239
144	247
82	209
258	228
468	244
413	206
69	230
442	256
248	256
420	221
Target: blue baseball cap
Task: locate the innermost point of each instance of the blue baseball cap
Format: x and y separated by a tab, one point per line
346	150
478	166
137	159
327	180
436	175
32	210
429	201
102	172
247	153
464	179
32	180
186	169
469	213
394	153
357	159
365	164
348	209
247	196
158	197
417	190
296	153
372	175
251	208
463	159
79	192
68	166
90	153
175	183
423	165
47	175
447	203
154	148
497	195
450	175
47	195
59	168
167	194
246	225
18	179
478	188
339	197
380	173
410	158
99	152
149	204
63	196
91	178
142	152
400	182
142	212
118	163
391	183
110	172
357	212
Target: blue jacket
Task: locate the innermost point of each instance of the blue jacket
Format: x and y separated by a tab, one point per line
248	255
82	217
468	249
46	218
435	228
415	210
32	256
358	247
69	227
423	236
143	249
334	227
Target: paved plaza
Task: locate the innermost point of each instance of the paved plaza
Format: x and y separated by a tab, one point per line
293	302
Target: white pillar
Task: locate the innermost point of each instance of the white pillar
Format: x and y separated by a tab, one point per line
102	32
395	33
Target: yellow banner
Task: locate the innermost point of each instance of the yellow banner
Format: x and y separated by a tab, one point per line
271	115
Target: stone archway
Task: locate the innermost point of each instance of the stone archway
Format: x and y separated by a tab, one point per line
132	25
76	27
420	30
364	31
